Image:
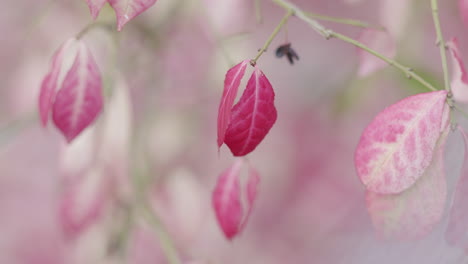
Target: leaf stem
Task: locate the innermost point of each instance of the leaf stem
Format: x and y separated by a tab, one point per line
440	42
283	21
406	70
327	33
345	21
141	181
166	242
456	107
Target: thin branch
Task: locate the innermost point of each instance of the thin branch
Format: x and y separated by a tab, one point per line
303	16
345	21
272	36
166	243
327	33
440	42
407	71
460	110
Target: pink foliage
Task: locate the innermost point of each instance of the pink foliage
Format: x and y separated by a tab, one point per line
397	146
51	81
253	116
73	91
229	195
95	6
231	85
457	229
83	202
126	10
459	82
380	41
413	213
394	16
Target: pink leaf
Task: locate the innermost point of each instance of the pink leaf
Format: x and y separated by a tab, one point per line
413	213
394	15
252	117
231	85
457	229
229	195
83	201
398	145
128	9
95	6
79	100
380	41
253	181
463	6
459	83
51	81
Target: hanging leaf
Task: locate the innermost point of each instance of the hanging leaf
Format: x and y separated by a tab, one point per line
231	85
459	82
394	16
229	195
380	41
95	7
413	213
61	61
457	228
252	117
83	201
126	10
398	145
79	100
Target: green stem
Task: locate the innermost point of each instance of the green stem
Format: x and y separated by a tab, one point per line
407	71
303	16
345	21
440	42
327	33
141	181
456	107
272	36
166	242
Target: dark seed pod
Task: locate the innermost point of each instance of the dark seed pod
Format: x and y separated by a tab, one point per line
286	49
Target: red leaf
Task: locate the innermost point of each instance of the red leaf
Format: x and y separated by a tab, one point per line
79	100
126	10
380	41
459	83
95	6
52	80
252	117
398	145
457	229
228	196
231	85
413	213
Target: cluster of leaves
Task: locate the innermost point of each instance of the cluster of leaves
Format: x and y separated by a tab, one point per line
400	160
399	157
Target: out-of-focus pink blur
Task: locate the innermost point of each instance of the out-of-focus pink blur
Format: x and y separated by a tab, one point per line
154	145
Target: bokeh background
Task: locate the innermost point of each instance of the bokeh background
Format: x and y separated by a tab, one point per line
155	142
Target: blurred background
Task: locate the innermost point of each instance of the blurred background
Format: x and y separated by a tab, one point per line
153	149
